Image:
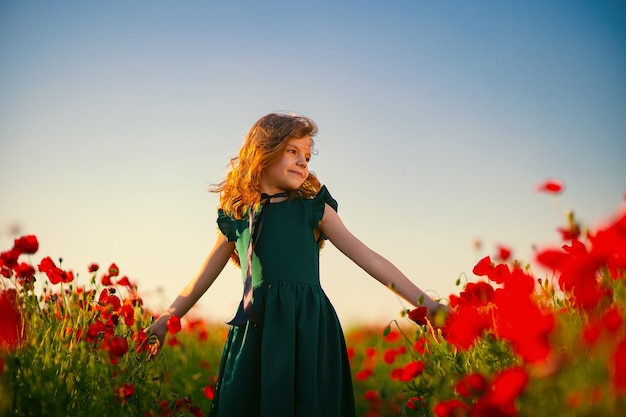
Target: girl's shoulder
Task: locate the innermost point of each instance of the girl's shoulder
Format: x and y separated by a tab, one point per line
318	206
324	197
229	225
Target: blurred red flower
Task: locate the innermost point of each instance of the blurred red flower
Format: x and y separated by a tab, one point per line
416	403
475	294
551	186
209	392
466	325
8	260
117	346
411	371
126	390
11	329
504	253
507	386
27	244
390	354
420	345
140	339
124	282
173	324
114	270
24	271
450	408
471	385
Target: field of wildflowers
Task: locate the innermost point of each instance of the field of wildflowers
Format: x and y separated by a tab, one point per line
515	343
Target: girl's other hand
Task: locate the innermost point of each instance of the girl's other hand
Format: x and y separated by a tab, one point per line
156	333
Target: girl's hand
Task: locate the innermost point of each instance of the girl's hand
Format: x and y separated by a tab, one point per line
158	329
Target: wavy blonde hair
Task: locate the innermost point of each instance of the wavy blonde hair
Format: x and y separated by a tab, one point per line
264	144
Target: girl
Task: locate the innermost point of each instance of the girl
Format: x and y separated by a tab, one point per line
285	353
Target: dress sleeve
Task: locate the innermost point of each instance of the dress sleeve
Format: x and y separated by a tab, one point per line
322	198
226	225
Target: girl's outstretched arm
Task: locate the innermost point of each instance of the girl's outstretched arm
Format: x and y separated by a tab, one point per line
373	263
211	268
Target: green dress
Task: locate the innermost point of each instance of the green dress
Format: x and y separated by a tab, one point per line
295	363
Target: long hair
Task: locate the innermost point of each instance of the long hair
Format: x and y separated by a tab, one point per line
265	143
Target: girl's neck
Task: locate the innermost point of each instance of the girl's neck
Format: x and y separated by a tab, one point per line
274	197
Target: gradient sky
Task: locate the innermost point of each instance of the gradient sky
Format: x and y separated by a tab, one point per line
437	120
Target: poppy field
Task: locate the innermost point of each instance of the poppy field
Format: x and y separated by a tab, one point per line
544	336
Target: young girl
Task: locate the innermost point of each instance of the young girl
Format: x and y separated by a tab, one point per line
285	353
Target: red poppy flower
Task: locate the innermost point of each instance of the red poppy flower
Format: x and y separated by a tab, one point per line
464	327
591	333
96	328
507	386
470	385
117	346
364	374
93	267
24	271
416	403
173	324
612	319
54	273
9	258
475	294
551	186
110	303
392	337
126	390
371	395
396	373
114	270
504	253
124	282
483	267
390	354
127	312
500	273
351	352
450	408
106	280
418	315
209	392
411	371
140	339
45	264
11	323
420	345
27	244
370	352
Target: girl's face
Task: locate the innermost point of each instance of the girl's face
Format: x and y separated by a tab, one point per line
290	170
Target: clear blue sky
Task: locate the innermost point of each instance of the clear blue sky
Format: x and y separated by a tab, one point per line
436	121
